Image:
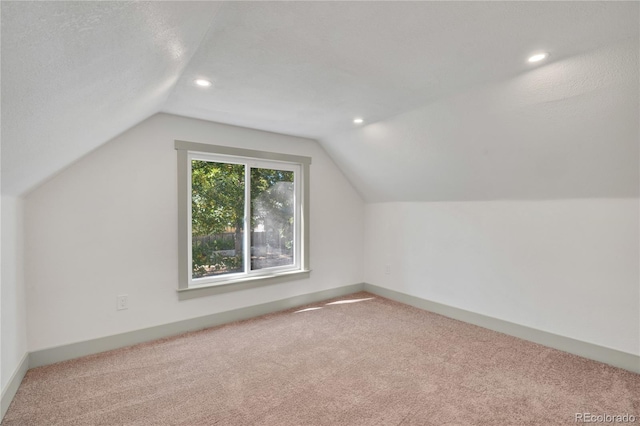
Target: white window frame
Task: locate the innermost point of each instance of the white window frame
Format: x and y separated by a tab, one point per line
192	287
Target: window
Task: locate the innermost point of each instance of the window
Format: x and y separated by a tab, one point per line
242	213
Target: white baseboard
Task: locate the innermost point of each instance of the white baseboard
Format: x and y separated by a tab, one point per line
602	354
14	383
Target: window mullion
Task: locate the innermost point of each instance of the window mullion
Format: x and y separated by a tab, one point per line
246	255
273	198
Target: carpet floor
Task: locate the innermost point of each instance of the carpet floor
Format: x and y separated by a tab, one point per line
361	360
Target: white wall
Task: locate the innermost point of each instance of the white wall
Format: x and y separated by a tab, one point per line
569	267
517	200
107	225
13	297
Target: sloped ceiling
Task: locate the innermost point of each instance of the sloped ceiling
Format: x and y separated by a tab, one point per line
569	129
75	74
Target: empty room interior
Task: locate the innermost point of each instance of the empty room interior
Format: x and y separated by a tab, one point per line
320	213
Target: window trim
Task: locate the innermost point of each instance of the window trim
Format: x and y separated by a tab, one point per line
248	163
185	150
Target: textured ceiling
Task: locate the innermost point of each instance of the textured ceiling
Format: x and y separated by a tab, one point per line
75	74
307	68
569	129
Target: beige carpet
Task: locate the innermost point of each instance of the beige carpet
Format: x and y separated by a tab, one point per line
369	362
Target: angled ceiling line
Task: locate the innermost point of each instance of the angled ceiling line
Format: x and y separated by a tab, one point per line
188	61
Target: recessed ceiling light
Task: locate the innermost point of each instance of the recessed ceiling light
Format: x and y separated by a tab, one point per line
202	82
538	57
358	121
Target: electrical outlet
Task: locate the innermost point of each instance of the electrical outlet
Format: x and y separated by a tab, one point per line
122	302
387	269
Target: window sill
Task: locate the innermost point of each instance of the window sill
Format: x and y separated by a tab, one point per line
240	284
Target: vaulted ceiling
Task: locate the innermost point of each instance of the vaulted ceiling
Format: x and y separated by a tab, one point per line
76	74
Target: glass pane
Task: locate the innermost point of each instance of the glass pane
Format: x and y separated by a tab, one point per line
272	218
217	218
